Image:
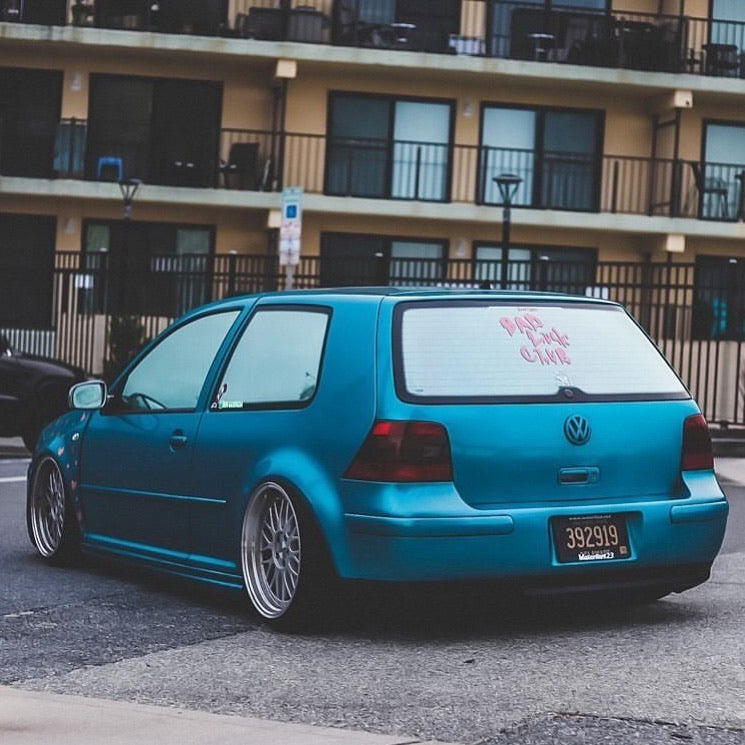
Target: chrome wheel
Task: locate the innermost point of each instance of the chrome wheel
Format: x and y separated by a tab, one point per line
48	508
271	551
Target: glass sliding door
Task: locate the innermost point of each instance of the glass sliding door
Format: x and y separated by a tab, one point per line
545	269
416	263
421	151
554	152
387	148
355	259
359	132
720	181
186	131
508	146
489	267
159	131
570	160
728	23
26	271
30	102
119	128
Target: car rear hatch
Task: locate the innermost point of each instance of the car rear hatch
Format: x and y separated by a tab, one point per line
551	401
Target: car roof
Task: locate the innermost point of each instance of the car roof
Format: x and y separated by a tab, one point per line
400	293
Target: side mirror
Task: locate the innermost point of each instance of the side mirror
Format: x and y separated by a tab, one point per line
88	396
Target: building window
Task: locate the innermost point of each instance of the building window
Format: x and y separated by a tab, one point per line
720	181
166	268
30	103
379	23
718	304
351	259
556	153
575	27
387	148
727	29
26	271
161	131
537	268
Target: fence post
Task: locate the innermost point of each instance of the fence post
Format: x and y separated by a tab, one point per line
418	167
232	258
614	197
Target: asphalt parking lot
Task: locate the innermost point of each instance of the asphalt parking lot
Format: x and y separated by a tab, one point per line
460	667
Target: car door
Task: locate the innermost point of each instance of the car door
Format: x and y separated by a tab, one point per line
262	405
137	453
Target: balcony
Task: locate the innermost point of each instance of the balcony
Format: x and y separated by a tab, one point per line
262	161
507	29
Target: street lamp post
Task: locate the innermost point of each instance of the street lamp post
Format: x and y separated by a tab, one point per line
508	184
129	189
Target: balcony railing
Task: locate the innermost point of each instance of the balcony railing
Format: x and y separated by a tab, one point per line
493	28
253	160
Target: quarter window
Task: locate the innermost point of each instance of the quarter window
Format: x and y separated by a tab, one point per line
172	375
277	361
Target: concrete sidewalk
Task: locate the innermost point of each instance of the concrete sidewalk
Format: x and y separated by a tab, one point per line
28	718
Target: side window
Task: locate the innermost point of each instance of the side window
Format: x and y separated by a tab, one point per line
276	361
172	374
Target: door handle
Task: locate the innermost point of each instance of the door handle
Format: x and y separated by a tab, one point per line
178	440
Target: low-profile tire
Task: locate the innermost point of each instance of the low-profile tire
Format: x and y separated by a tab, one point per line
286	567
52	525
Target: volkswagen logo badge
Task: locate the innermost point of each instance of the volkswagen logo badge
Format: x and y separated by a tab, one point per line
577	430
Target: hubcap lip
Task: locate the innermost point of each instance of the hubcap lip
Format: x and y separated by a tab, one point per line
271	550
48	508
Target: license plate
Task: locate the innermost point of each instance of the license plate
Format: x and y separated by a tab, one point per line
591	538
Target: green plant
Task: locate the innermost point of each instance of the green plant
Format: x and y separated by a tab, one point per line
126	339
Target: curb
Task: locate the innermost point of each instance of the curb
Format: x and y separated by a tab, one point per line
728	447
31	718
14	454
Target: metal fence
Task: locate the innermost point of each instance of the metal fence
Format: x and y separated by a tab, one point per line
565	33
256	160
696	318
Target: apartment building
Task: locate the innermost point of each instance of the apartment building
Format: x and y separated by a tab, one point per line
623	120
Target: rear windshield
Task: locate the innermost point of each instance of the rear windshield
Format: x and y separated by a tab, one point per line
484	351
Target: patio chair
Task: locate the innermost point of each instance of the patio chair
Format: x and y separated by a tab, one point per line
713	186
242	169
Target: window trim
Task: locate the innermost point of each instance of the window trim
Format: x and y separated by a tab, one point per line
118	385
210	405
392	99
540	111
155	80
569	396
534	261
388	241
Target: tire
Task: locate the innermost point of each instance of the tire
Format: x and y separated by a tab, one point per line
52	525
284	559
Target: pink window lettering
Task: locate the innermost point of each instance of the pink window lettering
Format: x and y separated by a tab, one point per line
508	325
528	355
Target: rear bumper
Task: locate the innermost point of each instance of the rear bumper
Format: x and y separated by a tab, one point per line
666	541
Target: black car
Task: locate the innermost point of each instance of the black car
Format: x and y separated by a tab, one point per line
33	392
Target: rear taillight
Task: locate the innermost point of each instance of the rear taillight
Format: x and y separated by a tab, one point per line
697	452
403	451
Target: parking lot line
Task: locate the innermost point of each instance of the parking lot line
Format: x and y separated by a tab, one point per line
12	479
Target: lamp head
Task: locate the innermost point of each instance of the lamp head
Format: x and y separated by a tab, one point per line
508	184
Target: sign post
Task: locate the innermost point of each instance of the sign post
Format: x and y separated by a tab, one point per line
290	232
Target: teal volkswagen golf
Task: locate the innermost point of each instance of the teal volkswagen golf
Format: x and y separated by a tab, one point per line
277	442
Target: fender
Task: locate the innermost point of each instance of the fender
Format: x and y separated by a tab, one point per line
315	486
63	440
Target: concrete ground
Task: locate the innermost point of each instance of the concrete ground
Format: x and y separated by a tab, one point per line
410	666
